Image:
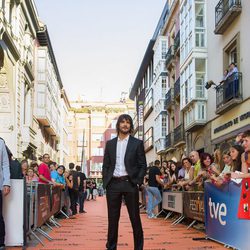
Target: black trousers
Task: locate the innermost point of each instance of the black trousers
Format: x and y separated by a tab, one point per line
73	195
115	191
82	197
2	226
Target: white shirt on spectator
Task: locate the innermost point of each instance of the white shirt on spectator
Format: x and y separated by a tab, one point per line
121	147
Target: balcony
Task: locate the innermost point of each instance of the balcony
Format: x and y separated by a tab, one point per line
160	145
177	42
225	13
179	135
229	94
170	142
169	98
195	116
170	56
177	88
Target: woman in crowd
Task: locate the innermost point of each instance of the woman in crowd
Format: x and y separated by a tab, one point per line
30	177
24	167
57	176
34	165
228	162
188	174
235	153
218	160
173	174
52	166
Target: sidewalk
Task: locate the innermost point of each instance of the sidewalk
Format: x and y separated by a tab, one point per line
88	232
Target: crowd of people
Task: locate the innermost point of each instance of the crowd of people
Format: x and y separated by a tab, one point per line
77	188
191	172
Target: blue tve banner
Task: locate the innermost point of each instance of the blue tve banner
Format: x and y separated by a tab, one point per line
223	215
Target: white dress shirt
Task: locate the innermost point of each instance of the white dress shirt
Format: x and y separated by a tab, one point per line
121	147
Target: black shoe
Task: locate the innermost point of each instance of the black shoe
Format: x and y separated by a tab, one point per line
84	211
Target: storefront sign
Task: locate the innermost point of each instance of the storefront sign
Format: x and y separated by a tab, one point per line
140	114
227	214
232	122
194	205
173	201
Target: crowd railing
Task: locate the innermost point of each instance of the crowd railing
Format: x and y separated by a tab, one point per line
29	209
225	211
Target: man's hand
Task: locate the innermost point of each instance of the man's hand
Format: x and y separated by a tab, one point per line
6	190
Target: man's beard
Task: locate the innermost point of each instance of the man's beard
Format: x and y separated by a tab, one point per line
124	132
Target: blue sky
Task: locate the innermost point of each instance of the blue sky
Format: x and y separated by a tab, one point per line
99	44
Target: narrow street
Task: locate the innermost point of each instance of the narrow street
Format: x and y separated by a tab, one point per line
88	232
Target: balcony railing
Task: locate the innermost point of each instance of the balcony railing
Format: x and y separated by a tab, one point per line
169	141
170	55
229	93
225	13
169	98
179	134
177	88
177	42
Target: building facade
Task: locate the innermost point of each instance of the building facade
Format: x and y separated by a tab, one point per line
229	101
32	99
90	126
195	106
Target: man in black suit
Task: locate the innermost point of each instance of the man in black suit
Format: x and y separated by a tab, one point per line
124	167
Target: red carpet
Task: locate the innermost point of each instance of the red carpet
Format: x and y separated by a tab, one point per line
88	232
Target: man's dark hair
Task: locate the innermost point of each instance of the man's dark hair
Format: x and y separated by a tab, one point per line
71	165
78	168
127	118
246	134
157	162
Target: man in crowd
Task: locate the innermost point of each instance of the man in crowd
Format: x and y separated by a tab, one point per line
124	167
82	189
154	195
195	158
73	192
44	171
4	186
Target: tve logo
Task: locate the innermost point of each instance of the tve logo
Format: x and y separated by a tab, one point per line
217	211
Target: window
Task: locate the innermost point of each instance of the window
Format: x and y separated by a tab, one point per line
200	70
98	121
231	52
113	124
97	137
97	151
148	139
199	25
164	50
164	86
164	125
96	167
148	102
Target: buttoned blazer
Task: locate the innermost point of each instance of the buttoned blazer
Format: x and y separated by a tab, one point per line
135	161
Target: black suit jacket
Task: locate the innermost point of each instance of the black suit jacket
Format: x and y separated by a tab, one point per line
135	161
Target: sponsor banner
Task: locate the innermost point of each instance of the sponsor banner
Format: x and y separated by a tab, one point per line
227	213
42	204
140	114
55	200
193	205
173	201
